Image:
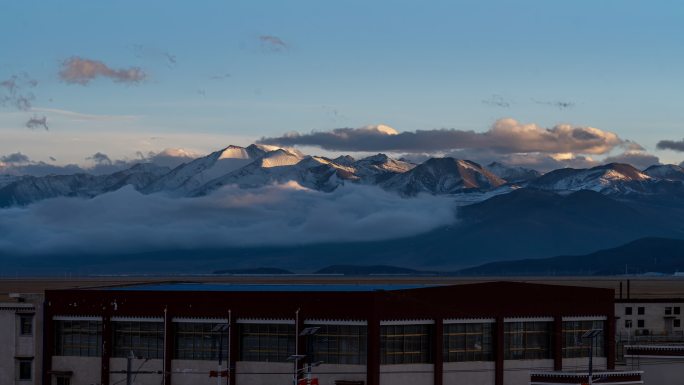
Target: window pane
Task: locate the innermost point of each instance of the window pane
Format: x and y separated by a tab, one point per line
403	344
266	342
528	340
339	344
468	342
573	343
199	341
144	339
78	338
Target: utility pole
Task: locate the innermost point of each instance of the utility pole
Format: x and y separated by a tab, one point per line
129	368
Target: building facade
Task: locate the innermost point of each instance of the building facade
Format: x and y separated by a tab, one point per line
21	340
655	317
486	333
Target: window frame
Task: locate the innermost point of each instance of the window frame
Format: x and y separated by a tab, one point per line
21	362
198	341
406	344
266	342
526	336
148	335
22	324
77	338
339	344
459	342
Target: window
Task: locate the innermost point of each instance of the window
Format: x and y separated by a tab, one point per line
677	323
339	344
677	309
640	310
576	346
405	344
266	342
628	323
668	310
640	323
198	341
24	369
528	340
78	338
26	324
468	342
628	310
145	339
63	380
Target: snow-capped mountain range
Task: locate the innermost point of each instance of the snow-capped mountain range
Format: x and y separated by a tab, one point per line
259	165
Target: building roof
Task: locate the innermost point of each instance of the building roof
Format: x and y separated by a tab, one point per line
229	287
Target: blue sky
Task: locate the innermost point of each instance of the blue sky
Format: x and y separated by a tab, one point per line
213	80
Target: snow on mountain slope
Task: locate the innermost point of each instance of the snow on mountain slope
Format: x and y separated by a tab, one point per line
613	178
512	174
665	171
443	176
377	168
279	166
279	158
192	175
30	189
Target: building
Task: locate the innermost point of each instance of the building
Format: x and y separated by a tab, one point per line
661	364
483	333
654	319
21	340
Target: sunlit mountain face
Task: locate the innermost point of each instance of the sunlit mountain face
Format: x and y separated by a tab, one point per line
261	134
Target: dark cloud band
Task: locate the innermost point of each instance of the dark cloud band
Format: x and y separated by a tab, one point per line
505	136
674	145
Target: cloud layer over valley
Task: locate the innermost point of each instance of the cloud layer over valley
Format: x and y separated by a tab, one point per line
127	221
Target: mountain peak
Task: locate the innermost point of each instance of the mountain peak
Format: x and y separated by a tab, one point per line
444	176
233	152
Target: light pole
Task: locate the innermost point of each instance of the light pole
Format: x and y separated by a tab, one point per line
295	358
220	328
591	335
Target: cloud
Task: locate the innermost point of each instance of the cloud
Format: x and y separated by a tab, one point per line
100	159
273	43
145	51
170	157
16	158
560	104
638	159
36	122
126	221
77	116
20	164
505	136
15	91
76	70
497	101
674	145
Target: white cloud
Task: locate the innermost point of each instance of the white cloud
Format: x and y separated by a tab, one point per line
126	221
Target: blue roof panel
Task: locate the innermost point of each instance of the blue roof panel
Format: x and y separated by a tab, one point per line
228	287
